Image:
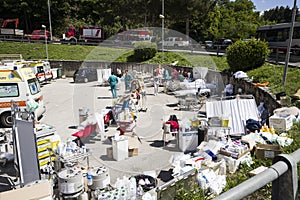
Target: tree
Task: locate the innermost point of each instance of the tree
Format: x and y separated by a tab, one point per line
233	19
248	55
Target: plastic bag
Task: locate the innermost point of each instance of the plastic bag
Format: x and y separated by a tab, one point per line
31	105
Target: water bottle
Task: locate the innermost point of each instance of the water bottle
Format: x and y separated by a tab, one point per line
83	149
140	192
89	179
132	188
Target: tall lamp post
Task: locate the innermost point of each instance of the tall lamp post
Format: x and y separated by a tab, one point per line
43	26
162	16
49	14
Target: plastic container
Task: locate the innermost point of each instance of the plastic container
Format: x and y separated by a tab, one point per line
89	179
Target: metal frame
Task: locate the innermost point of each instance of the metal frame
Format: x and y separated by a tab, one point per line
282	174
26	159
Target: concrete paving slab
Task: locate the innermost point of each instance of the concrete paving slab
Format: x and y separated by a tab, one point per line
63	99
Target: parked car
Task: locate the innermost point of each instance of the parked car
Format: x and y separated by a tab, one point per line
84	75
174	42
209	44
223	43
39	35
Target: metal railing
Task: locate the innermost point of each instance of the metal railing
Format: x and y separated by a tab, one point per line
282	174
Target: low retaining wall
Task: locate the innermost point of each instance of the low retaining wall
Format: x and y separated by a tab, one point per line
220	79
70	66
261	94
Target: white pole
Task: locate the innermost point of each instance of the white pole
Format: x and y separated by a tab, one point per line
50	26
287	57
163	28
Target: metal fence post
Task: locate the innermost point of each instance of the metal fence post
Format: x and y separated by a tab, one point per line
286	185
277	55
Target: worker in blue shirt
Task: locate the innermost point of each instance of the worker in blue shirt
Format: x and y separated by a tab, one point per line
128	78
113	81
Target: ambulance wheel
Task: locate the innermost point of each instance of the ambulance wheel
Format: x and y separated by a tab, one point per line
6	119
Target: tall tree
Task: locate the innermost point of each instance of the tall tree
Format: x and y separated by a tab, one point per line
279	15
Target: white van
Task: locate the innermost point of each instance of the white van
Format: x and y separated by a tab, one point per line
42	70
18	84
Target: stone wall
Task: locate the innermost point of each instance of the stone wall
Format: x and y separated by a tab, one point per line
69	67
261	94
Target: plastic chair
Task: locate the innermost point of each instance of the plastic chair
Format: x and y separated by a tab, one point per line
167	131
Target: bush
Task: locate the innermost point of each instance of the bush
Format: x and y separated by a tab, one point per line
144	51
247	55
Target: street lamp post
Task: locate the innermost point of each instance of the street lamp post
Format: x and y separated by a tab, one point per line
43	26
49	14
162	16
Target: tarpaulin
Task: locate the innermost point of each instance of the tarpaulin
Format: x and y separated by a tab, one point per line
86	131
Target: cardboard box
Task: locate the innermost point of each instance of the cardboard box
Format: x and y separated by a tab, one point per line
133	152
267	151
133	142
233	155
281	123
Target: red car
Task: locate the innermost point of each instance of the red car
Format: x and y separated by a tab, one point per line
39	35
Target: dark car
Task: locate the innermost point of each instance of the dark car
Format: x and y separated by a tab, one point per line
84	75
223	43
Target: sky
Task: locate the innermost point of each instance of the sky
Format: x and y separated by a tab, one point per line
262	5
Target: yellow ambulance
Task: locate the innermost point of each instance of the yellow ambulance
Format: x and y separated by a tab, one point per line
18	84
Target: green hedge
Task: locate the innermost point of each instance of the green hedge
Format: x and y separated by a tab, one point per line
144	51
247	55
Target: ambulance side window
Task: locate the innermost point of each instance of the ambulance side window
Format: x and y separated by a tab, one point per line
9	90
40	69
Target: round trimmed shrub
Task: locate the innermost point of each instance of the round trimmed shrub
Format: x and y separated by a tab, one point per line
144	51
247	55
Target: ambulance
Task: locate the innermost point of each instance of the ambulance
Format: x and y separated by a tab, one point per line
42	70
18	84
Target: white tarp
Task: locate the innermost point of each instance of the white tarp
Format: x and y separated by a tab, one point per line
236	110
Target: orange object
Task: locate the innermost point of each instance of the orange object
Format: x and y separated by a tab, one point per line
5	22
261	84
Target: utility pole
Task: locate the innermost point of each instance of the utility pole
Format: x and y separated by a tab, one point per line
287	57
163	28
50	26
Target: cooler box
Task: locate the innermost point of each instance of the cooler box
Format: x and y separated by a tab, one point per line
281	122
188	141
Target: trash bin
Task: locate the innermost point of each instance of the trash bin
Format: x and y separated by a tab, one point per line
59	72
83	114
